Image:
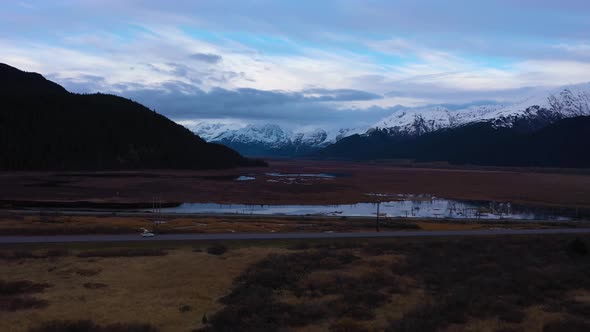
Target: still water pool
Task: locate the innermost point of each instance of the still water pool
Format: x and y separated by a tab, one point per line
411	207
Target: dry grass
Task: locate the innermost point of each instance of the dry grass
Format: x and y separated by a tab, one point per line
557	187
15	223
131	289
460	284
485	284
18	224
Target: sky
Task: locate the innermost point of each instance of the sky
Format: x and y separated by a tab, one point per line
299	63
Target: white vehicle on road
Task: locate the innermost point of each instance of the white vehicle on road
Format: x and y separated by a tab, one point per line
147	233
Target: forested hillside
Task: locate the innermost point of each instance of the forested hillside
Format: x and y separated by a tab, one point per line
44	127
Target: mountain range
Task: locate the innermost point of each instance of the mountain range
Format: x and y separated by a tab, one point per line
409	126
549	131
532	112
45	127
261	140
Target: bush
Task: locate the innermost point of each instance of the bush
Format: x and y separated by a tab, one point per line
217	249
347	325
90	326
10	288
125	252
305	313
573	325
251	305
57	253
94	285
27	254
88	272
11	292
299	246
185	308
21	303
17	254
577	247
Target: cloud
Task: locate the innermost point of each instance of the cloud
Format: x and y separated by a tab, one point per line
303	107
327	61
206	57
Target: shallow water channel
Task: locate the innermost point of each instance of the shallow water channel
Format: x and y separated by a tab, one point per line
411	207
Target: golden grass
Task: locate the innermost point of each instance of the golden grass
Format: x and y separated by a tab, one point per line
153	289
16	223
139	289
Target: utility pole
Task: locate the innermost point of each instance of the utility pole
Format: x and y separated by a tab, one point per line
377	220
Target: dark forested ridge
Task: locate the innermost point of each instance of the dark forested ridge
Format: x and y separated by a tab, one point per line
564	143
44	127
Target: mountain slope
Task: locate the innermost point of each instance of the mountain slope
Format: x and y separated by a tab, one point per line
14	81
563	143
268	139
531	132
531	113
42	127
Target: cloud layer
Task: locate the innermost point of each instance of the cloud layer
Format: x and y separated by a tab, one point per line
300	62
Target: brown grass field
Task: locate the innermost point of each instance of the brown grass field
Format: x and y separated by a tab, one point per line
149	290
18	223
540	187
536	283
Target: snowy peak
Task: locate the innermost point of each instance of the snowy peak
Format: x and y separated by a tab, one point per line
531	113
571	103
417	121
538	109
270	139
269	134
316	137
212	131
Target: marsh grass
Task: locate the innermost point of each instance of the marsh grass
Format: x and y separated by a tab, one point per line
343	284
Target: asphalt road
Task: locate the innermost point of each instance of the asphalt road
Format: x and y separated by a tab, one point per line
278	236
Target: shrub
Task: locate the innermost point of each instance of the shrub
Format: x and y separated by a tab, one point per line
299	246
27	254
21	303
347	325
90	326
305	313
57	253
572	325
11	292
124	252
217	249
17	254
87	272
94	285
10	288
577	247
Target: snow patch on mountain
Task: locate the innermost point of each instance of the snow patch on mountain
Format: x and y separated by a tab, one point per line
569	101
532	112
270	135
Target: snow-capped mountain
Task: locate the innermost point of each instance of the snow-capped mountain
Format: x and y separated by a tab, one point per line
269	139
534	111
531	113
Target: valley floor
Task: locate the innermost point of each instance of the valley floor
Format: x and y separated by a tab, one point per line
19	223
348	182
508	283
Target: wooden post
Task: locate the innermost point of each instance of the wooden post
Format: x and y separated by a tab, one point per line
377	220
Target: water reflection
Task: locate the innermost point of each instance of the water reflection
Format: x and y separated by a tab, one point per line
414	207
